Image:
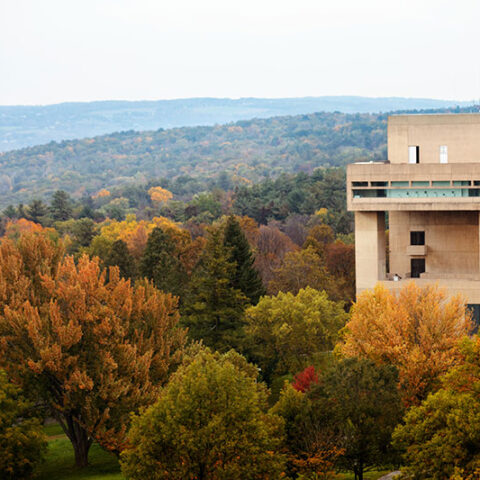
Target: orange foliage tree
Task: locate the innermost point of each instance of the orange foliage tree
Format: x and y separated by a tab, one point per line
272	245
15	228
340	262
94	349
417	331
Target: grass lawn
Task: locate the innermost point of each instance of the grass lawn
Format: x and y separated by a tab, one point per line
372	475
60	461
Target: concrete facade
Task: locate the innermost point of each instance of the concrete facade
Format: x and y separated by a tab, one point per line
429	192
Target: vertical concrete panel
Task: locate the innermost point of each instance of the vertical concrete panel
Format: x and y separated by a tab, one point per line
370	254
399	239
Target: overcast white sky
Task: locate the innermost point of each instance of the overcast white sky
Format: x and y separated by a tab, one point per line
78	50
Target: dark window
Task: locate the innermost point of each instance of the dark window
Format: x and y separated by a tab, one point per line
417	267
417	238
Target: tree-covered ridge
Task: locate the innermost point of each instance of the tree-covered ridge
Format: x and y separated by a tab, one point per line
245	152
27	125
239	153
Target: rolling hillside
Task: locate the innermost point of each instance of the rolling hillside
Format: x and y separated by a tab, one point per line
243	152
24	126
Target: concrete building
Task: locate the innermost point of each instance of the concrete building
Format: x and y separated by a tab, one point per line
428	194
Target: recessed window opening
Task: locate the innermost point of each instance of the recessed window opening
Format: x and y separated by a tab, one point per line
417	267
443	154
413	154
417	238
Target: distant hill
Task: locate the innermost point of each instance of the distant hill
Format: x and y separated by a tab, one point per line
238	153
23	126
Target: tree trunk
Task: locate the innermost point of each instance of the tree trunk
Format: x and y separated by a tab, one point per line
358	471
81	449
81	440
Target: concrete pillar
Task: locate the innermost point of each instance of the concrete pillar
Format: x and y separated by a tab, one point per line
370	249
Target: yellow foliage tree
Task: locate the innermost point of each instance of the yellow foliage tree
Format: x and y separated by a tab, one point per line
160	195
417	331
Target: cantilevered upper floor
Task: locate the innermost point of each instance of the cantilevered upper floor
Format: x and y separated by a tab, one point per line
433	164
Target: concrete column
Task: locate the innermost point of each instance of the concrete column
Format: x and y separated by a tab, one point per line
370	249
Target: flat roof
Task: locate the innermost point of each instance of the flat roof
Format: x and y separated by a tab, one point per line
434	118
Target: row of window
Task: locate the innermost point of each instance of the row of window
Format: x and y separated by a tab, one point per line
417	193
419	183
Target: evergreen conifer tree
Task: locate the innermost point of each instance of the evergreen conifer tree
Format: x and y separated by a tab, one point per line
10	212
160	263
214	310
120	256
60	207
246	277
37	211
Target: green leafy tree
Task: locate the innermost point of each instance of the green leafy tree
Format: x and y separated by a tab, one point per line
60	206
214	309
311	448
287	332
346	419
300	269
441	436
247	278
22	441
161	264
364	407
81	232
210	422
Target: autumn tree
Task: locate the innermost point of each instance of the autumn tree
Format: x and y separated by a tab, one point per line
287	333
213	311
417	331
300	269
246	277
159	194
305	379
441	436
92	349
340	263
15	228
272	246
319	236
210	422
22	441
